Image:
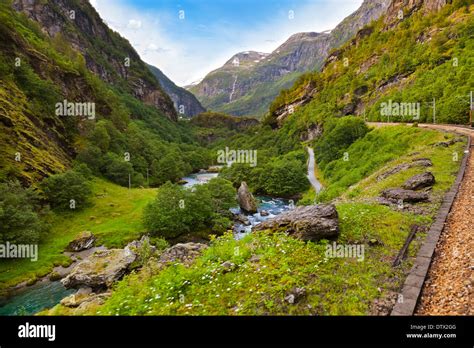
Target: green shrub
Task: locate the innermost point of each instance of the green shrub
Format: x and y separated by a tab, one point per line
67	191
20	214
177	210
284	178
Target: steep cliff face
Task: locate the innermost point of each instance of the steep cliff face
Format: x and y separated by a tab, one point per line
398	9
185	103
106	53
249	81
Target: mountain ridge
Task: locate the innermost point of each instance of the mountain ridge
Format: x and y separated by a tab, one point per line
254	88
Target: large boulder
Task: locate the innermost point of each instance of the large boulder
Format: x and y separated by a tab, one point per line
247	201
309	223
101	269
182	252
397	195
85	240
419	181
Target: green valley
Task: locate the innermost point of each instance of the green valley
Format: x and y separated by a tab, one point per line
149	205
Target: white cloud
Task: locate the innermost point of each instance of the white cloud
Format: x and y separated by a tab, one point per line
189	57
134	24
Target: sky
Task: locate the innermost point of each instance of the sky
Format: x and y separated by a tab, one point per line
186	39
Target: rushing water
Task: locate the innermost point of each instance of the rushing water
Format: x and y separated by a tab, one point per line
273	206
35	298
199	178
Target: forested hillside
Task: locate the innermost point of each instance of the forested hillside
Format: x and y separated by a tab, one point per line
417	55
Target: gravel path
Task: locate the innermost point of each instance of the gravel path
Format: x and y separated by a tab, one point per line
448	289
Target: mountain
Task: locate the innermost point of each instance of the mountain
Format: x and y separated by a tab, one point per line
182	99
419	55
67	89
249	81
106	53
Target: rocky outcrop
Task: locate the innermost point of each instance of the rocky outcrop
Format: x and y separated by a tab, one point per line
400	9
85	240
101	269
82	296
218	120
182	252
84	299
397	195
419	181
448	143
419	162
246	200
308	223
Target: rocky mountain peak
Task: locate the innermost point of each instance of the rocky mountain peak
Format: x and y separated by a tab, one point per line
247	58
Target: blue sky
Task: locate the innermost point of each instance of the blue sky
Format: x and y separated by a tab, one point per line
186	39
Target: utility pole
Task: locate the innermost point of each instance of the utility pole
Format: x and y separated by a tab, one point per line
434	110
470	112
129	181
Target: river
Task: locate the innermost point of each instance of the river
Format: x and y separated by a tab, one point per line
32	299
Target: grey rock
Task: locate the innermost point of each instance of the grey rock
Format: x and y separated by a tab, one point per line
101	269
242	219
402	195
228	266
246	200
419	162
448	143
137	245
254	258
182	252
85	240
295	295
419	181
309	223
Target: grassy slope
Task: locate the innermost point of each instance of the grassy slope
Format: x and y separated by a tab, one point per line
334	286
115	218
